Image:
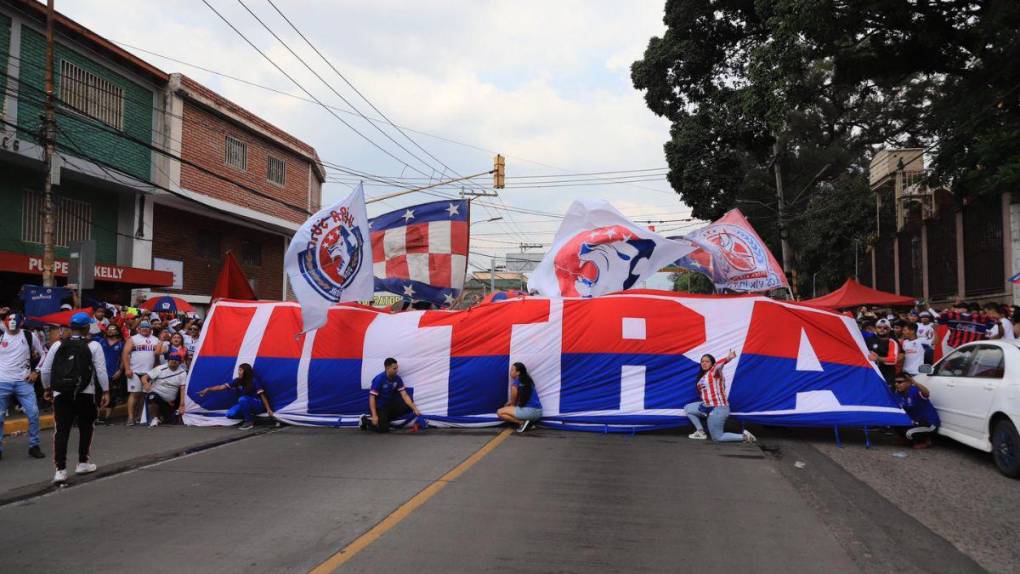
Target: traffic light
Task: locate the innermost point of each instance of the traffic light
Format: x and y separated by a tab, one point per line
499	172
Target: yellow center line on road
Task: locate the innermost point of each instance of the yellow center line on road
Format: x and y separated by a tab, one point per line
337	560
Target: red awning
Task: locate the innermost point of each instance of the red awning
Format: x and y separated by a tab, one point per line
32	265
853	294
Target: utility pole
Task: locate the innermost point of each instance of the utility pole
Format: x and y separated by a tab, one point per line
48	223
781	211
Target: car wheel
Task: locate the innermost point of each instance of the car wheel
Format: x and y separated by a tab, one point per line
1006	448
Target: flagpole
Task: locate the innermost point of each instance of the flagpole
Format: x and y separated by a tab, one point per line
407	191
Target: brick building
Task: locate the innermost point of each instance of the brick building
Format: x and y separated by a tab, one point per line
162	225
221	143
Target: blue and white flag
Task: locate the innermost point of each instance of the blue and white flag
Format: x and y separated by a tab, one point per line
421	251
330	260
597	250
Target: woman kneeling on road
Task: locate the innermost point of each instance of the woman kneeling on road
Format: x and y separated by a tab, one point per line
713	404
251	401
524	407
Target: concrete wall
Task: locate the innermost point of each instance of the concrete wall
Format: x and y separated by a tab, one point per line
110	148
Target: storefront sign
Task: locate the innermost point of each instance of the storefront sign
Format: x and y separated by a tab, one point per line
32	265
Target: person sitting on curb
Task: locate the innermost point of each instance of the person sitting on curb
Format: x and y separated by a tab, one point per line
251	400
912	397
20	352
164	388
382	403
524	407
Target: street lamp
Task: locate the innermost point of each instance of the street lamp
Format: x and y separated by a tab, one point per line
487	220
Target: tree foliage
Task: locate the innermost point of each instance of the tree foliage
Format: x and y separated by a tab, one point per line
828	82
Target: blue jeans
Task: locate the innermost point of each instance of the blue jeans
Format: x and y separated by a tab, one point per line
246	408
26	396
716	422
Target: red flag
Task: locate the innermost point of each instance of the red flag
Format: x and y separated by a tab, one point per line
232	284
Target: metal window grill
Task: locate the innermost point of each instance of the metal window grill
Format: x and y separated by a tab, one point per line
277	171
236	153
91	95
72	220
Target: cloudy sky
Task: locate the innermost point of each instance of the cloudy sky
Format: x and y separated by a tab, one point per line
545	83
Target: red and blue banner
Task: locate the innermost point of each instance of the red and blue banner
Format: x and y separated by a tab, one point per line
617	362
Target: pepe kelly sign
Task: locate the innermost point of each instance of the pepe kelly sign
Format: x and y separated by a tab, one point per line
33	265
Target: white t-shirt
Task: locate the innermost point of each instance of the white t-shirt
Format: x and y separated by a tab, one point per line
913	355
15	356
167	383
1006	326
926	334
143	355
98	366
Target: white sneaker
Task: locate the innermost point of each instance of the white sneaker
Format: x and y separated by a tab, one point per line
524	426
698	435
84	468
154	423
748	437
60	477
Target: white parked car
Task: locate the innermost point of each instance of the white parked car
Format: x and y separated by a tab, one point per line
976	391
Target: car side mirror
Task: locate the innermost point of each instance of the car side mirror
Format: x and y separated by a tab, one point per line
925	369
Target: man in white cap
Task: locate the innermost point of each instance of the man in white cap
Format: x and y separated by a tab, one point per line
885	351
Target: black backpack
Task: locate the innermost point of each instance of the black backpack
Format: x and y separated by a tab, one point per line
72	367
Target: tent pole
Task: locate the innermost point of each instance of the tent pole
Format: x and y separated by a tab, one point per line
839	443
867	437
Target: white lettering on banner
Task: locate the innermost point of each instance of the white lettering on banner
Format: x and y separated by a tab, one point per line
423	355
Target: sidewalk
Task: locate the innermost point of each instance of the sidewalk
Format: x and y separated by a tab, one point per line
115	449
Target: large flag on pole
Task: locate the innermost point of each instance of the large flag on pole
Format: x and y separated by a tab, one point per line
733	256
421	251
598	251
232	282
329	261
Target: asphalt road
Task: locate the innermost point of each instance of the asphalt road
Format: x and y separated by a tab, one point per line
546	501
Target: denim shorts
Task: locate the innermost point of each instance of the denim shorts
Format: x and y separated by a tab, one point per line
527	413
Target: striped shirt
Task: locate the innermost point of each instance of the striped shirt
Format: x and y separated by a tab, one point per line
964	327
712	386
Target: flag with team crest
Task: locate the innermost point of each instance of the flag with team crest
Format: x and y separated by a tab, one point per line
421	251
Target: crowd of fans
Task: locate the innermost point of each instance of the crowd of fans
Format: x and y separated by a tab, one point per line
147	357
901	342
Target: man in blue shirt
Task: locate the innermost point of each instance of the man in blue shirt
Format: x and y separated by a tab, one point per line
382	399
913	399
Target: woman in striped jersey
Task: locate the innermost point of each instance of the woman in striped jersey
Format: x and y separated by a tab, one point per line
713	404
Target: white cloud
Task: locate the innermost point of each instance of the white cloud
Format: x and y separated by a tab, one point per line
544	82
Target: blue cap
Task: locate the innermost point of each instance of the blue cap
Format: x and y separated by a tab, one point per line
81	319
144	325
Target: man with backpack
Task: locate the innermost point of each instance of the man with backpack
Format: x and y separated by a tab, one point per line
70	375
19	354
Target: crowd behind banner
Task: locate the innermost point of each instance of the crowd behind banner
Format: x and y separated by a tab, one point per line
900	342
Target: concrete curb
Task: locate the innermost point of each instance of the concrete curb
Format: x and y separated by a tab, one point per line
19	424
45	487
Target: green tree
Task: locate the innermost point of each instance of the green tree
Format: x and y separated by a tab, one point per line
691	282
827	82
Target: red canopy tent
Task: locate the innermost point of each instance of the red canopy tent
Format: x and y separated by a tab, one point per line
853	294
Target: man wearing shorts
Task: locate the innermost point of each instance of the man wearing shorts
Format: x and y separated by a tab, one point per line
139	358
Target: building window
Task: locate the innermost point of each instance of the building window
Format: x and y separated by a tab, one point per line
277	171
236	154
72	220
251	253
209	244
91	95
